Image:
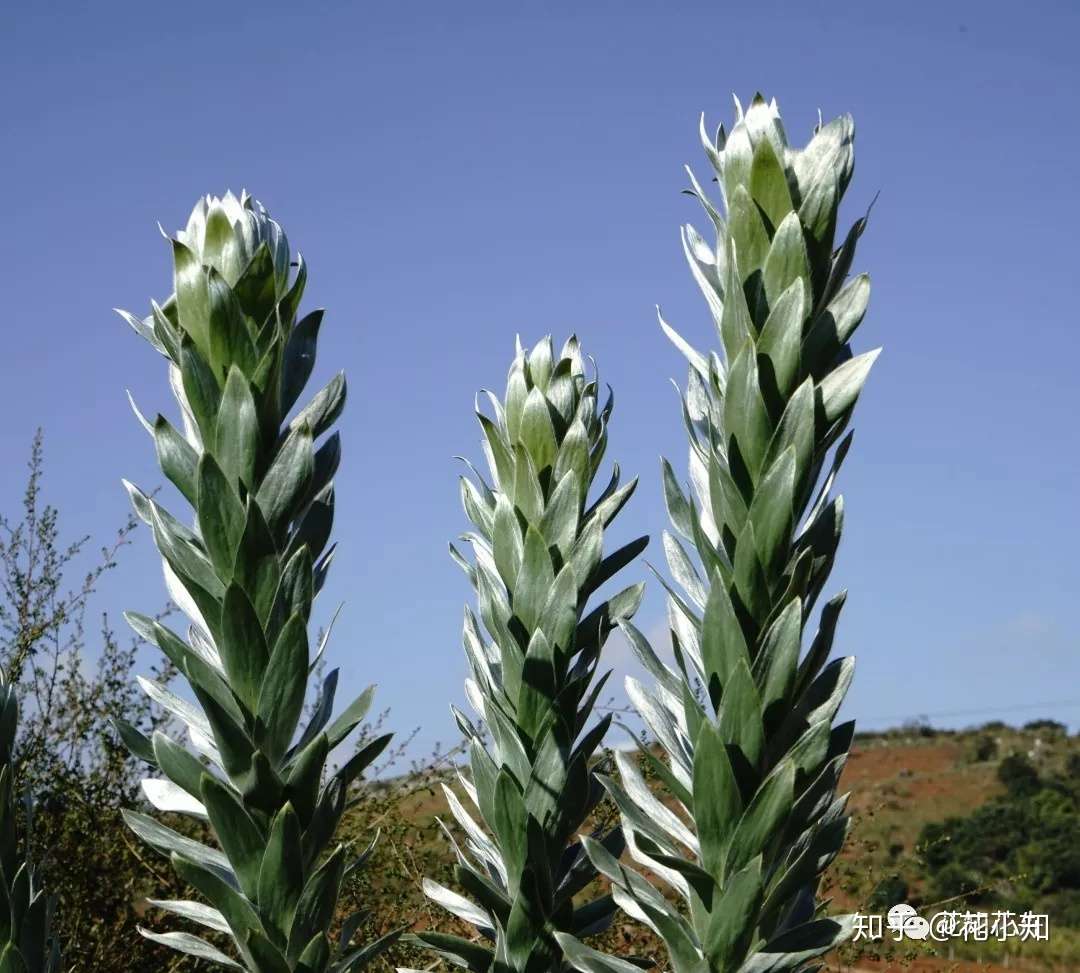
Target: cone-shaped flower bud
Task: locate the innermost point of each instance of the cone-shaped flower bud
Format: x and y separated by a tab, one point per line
534	653
259	478
27	943
226	233
751	762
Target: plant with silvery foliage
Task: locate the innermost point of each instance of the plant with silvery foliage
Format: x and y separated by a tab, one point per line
257	474
535	654
748	818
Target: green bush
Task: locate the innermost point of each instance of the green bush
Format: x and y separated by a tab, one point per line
1019	776
1016	850
984	749
887	893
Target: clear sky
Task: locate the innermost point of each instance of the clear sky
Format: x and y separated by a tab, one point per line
458	173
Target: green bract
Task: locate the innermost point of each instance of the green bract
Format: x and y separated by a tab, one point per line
534	654
27	944
745	718
260	485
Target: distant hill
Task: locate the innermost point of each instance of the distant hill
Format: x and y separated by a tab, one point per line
899	780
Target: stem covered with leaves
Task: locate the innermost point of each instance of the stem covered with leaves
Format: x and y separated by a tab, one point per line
538	558
27	942
751	759
261	490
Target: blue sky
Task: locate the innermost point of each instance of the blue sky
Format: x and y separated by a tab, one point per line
459	173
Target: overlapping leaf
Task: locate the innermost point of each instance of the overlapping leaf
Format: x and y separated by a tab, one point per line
751	761
538	557
260	485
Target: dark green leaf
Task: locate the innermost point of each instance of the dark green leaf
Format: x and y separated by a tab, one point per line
238	834
733	921
236	434
288	479
281	697
281	874
221	516
717	803
243	645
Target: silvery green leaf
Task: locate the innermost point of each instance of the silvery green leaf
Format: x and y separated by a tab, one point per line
793	948
173	704
723	643
678	506
837	322
697	361
638	791
459	951
299	358
166	796
706	204
537	434
479	843
204	915
821	646
717	803
221	515
710	286
236	431
506	540
787	260
281	872
777	661
746	418
192	433
740	716
527	494
589	960
829	152
475	508
736	325
241	838
764	817
143	421
205	746
647	657
288	478
458	905
572	457
841	387
768	185
192	296
176	457
184	942
535	578
559	523
142	327
319	414
782	337
281	694
730	929
167	841
662	724
772	512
